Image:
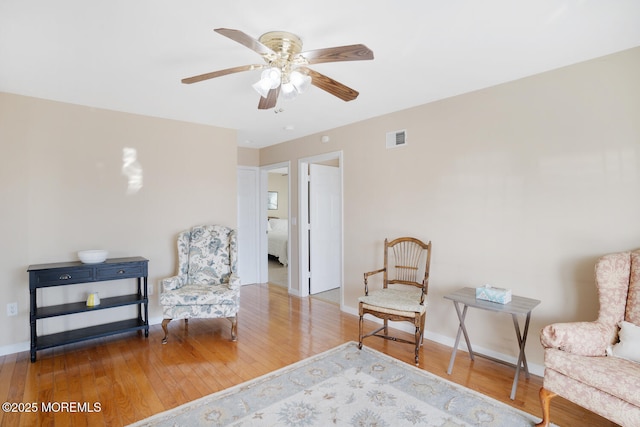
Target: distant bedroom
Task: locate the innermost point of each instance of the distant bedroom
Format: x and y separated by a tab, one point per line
278	226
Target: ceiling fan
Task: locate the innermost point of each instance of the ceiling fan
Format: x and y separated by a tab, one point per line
285	71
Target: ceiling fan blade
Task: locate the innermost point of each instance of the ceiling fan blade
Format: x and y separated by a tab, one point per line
270	100
245	40
329	85
219	73
354	52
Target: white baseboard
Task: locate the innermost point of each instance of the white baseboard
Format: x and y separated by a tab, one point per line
534	369
15	348
294	292
155	320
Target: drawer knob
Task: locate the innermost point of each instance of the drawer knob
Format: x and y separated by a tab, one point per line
65	277
120	271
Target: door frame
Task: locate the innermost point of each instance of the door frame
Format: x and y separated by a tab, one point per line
262	217
303	211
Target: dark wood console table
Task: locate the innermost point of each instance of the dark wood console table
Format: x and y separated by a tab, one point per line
71	273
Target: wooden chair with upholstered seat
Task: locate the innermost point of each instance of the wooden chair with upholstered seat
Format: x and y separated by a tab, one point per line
405	283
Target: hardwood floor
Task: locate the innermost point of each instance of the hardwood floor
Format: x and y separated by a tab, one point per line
130	378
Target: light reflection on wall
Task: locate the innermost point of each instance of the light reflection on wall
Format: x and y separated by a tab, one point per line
132	169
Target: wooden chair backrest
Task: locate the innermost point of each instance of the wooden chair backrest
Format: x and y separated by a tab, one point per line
407	261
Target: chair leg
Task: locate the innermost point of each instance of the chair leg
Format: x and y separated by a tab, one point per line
234	328
386	327
418	337
360	328
165	322
545	403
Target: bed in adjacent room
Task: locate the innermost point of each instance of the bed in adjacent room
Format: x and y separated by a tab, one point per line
278	237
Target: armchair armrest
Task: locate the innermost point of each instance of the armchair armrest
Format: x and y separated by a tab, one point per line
366	279
172	283
234	281
581	338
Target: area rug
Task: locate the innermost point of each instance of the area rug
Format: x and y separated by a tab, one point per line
345	387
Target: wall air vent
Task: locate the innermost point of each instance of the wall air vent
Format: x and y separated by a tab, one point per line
397	138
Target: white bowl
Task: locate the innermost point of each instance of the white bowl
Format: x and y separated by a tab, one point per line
93	256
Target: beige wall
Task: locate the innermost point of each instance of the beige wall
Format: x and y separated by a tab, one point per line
62	190
523	185
248	156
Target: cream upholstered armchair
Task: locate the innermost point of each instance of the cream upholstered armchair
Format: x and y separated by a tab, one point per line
207	285
405	284
597	364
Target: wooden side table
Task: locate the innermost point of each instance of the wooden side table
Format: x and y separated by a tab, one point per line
517	306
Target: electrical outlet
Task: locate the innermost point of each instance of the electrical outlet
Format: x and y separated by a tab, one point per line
150	289
12	309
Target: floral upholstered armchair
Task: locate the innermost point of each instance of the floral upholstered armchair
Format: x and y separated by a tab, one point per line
207	285
597	364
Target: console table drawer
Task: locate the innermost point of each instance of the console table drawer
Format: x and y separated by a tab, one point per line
64	277
120	272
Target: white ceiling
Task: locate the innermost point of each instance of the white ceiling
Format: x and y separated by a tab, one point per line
129	55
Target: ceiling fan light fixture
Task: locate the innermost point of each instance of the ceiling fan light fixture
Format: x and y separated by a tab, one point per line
269	79
274	75
263	86
300	81
288	91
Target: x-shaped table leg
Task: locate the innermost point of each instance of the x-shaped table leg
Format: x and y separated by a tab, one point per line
522	359
461	330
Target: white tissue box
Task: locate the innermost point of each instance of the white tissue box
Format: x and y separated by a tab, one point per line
488	293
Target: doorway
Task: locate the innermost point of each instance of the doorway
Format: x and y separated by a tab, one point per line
321	230
275	215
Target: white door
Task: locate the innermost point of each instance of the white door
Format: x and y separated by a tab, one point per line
248	225
325	225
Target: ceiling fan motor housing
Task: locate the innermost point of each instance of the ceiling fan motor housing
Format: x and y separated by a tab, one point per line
286	44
